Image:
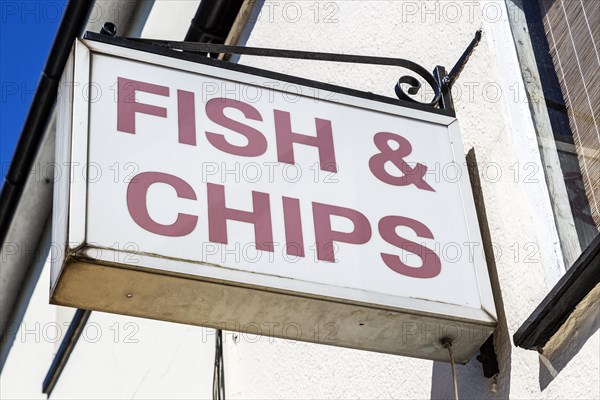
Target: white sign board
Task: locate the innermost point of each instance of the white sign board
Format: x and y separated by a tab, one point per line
223	198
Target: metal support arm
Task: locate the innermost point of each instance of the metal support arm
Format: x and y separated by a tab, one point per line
440	83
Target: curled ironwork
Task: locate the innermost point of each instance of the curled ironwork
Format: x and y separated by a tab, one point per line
439	85
413	82
414	86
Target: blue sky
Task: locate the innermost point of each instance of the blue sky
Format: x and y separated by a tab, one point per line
27	29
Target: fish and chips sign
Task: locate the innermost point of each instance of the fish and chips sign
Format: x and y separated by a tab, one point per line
211	194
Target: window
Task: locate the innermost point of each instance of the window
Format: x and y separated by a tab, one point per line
564	37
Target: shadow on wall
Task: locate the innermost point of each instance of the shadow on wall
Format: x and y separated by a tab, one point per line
568	341
471	382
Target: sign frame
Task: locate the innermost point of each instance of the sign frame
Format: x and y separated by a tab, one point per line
86	276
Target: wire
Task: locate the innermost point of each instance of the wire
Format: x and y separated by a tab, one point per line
447	344
219	369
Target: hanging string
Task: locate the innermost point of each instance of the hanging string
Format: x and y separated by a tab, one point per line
447	344
219	371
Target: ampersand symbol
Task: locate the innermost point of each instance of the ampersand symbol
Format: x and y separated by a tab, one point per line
411	175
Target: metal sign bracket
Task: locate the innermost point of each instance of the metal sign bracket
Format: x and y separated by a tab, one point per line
439	81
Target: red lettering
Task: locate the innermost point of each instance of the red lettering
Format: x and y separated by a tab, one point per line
257	144
127	106
186	117
137	191
410	175
260	217
325	236
431	266
293	227
286	139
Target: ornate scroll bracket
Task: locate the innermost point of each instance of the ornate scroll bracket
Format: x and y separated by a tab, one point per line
438	80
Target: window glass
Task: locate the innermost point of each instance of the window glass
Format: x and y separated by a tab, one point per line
565	35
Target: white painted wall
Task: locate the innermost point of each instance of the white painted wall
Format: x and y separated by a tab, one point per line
171	360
